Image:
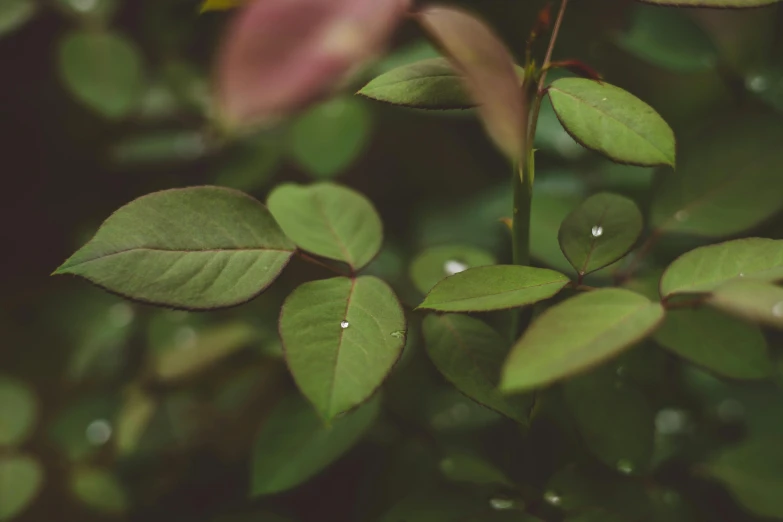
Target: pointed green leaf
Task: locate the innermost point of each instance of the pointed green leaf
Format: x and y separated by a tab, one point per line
330	137
727	181
21	478
616	422
103	71
341	337
18	411
294	445
15	13
196	248
704	269
486	288
577	334
487	69
613	122
436	263
427	84
736	4
668	38
469	353
100	490
753	472
602	230
206	348
752	300
725	345
329	220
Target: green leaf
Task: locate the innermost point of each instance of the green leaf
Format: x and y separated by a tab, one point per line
100	490
486	288
704	269
103	71
431	84
330	137
670	39
329	220
204	349
133	419
602	230
753	472
577	334
427	84
198	248
220	5
341	337
728	180
469	353
15	13
434	264
736	4
752	300
613	122
440	504
21	478
727	346
615	420
18	411
294	445
464	467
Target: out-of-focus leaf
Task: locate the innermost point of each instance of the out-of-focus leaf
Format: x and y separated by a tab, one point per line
206	348
160	147
577	334
602	230
433	264
328	220
704	269
342	337
726	182
488	71
499	287
450	411
330	137
669	39
100	345
294	445
196	248
276	60
553	199
84	426
100	490
15	13
616	422
220	5
712	3
103	9
612	122
720	343
252	166
753	472
464	467
103	71
406	55
21	478
133	419
18	411
469	353
752	300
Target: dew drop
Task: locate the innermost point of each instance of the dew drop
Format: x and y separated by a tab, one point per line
670	421
501	504
399	334
452	267
98	432
604	99
84	5
741	274
344	324
757	83
552	498
597	231
681	216
777	310
621	370
625	466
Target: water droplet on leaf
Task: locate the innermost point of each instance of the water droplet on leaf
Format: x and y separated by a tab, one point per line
757	83
552	498
625	466
670	421
344	324
98	432
454	267
399	334
597	231
501	504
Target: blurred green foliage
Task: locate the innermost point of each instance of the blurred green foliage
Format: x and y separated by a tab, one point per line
111	410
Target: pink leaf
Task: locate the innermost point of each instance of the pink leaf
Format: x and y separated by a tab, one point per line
280	55
488	71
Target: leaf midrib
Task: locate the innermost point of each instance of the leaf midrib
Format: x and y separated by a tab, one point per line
495	294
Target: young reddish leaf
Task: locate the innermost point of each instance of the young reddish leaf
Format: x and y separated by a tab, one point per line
488	71
280	55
